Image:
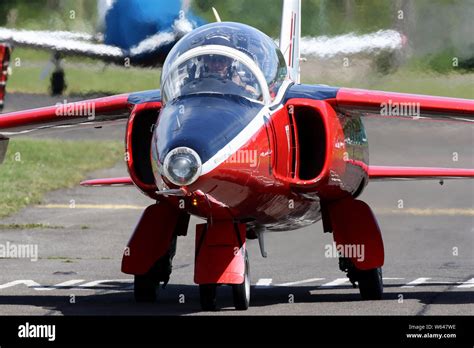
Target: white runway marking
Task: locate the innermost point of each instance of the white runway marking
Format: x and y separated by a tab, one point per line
67	284
468	284
337	282
311	280
102	282
127	284
264	282
416	282
29	283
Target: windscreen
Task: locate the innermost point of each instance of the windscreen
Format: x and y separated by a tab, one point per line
211	73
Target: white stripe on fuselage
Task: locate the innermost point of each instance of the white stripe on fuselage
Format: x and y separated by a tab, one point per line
235	144
247	133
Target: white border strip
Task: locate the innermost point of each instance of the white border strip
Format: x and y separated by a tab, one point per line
240	140
247	133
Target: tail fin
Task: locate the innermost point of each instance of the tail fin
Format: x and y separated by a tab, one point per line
290	36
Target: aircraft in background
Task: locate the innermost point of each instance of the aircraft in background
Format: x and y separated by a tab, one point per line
133	33
142	32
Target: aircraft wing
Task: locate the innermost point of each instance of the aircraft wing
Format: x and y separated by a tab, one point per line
410	108
82	44
90	112
368	103
67	43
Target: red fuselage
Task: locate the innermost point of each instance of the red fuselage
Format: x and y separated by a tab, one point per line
288	161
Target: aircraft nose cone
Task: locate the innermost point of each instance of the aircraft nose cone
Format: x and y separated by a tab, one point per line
182	166
192	129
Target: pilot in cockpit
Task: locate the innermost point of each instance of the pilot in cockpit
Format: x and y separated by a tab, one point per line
222	67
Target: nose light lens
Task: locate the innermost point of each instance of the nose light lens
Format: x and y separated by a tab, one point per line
182	166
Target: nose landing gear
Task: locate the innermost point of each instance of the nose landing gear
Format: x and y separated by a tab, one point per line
240	292
146	285
222	259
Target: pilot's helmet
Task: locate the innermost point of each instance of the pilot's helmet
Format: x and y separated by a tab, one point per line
217	64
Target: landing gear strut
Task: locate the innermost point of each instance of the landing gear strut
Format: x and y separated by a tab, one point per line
355	226
58	82
146	285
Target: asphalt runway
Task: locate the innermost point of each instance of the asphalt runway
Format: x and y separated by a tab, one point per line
429	243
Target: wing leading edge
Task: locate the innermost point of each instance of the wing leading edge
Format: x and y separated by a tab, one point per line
412	107
404	106
91	111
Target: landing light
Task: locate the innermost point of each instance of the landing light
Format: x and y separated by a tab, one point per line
182	166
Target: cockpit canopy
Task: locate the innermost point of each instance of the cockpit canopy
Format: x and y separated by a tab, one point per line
224	58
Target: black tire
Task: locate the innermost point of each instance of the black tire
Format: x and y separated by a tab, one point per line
241	292
58	83
147	285
208	294
145	288
370	284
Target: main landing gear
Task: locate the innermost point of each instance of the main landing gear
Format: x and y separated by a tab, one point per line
146	285
221	255
355	229
369	282
150	251
58	81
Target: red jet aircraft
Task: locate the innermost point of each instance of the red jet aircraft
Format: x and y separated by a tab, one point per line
233	138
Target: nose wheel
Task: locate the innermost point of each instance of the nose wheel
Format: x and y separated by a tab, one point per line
145	288
146	285
240	292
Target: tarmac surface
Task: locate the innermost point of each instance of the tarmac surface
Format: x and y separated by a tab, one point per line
429	242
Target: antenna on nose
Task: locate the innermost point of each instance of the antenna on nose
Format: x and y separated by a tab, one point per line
216	14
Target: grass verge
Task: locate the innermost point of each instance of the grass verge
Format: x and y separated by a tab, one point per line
33	167
83	75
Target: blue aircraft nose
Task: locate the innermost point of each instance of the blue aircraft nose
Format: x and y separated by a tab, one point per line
198	126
